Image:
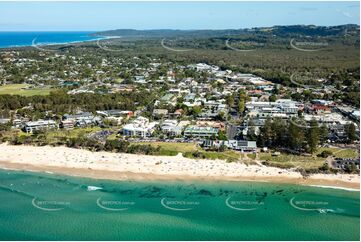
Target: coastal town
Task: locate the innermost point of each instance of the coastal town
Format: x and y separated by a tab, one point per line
179	120
213	108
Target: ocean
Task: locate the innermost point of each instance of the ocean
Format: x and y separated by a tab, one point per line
42	206
18	39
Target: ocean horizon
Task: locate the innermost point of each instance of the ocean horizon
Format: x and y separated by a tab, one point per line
44	206
9	39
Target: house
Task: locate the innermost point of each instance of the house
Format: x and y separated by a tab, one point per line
195	102
177	113
30	127
140	127
190	97
160	113
168	98
196	131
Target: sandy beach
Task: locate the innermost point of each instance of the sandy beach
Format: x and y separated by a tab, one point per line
121	166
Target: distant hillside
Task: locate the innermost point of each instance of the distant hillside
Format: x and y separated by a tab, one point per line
284	31
162	33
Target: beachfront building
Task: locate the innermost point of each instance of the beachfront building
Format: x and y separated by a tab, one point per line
140	127
30	127
171	127
201	132
82	119
241	145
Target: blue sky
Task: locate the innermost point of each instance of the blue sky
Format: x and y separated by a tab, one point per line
90	16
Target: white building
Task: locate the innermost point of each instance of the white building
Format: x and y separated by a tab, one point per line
283	108
171	127
140	127
241	145
30	127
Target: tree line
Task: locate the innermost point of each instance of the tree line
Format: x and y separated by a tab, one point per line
296	137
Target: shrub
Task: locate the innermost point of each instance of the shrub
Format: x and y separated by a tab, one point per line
116	145
325	154
143	149
21	140
324	168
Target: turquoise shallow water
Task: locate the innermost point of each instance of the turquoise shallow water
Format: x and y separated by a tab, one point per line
37	206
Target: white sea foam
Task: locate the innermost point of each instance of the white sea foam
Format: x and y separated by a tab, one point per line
335	187
93	188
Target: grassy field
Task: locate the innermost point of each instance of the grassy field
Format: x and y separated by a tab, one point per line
50	137
306	162
340	153
191	150
54	135
19	89
287	161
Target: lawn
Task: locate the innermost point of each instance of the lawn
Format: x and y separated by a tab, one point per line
54	136
340	153
178	147
307	162
287	160
189	149
19	89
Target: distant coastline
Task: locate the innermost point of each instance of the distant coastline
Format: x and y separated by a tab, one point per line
26	39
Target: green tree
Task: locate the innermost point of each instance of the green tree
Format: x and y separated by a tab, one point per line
251	132
313	136
350	130
241	106
272	98
295	136
323	134
221	135
265	137
230	100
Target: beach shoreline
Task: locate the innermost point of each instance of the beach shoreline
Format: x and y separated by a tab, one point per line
121	166
94	38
